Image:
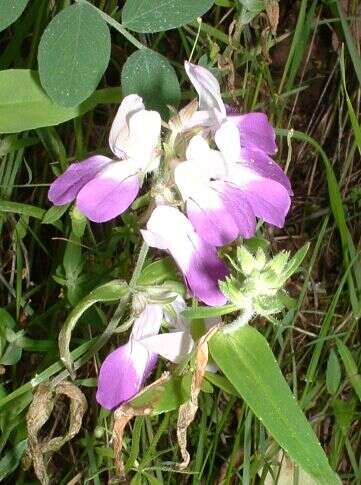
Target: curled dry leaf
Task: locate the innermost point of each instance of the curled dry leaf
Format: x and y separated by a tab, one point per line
187	411
38	414
123	415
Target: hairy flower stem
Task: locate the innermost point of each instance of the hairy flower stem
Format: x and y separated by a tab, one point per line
139	265
240	321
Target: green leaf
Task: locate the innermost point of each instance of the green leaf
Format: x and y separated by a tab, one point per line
11	356
150	75
73	54
6	320
54	213
253	5
11	460
164	397
158	272
333	373
350	367
208	312
351	46
154	16
112	291
295	262
10	10
24	104
222	383
249	364
19	208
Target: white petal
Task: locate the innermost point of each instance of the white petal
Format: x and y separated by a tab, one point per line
154	240
175	233
190	178
135	133
120	129
207	88
172	315
148	323
172	346
227	140
144	134
201	119
197	148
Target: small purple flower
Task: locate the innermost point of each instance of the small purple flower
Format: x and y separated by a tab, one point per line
255	131
199	262
226	190
125	370
104	188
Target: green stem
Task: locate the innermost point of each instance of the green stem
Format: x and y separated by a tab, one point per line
139	265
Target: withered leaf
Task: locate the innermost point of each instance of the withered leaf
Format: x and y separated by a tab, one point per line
187	411
38	414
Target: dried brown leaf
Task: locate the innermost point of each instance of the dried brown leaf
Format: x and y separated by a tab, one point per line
187	411
181	119
273	14
122	416
38	414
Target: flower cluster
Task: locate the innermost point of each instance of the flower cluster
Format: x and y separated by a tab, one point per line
214	177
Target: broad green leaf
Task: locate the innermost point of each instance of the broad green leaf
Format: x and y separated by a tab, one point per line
333	373
73	54
222	383
164	397
156	16
249	364
112	291
24	105
150	75
350	367
158	272
10	10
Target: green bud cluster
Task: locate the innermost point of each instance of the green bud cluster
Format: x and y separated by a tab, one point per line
257	284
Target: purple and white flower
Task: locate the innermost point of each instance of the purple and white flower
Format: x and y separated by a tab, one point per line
125	370
254	129
104	188
226	189
170	230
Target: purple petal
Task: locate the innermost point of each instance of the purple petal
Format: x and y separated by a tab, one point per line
199	262
255	131
262	164
65	188
123	373
110	193
220	214
204	271
269	200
